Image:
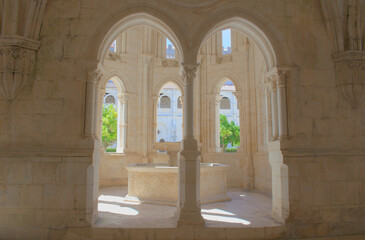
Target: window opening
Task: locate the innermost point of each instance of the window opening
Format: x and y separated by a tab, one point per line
226	41
225	103
228	119
169	118
165	102
110	118
170	49
113	46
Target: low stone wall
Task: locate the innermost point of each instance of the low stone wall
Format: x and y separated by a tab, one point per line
113	171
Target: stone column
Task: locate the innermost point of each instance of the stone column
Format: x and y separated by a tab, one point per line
268	113
94	78
189	158
217	102
154	123
274	110
100	113
122	122
240	108
282	113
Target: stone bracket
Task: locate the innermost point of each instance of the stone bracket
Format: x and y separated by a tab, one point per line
350	76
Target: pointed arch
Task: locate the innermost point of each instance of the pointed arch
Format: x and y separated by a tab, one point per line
134	16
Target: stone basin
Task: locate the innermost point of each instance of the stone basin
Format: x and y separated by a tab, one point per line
157	183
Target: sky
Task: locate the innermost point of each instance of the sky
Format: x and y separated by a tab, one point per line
168	42
226	38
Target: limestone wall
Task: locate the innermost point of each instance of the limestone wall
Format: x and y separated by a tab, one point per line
47	178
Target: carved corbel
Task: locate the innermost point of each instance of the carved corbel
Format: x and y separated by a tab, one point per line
14	69
350	76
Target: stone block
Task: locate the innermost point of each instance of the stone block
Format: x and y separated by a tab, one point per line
321	193
19	173
71	173
17	218
306	194
12	196
166	234
31	233
339	193
354	192
31	196
58	196
245	233
80	197
51	218
77	218
44	172
63	9
102	234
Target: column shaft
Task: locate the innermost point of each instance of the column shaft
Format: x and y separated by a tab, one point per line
189	158
282	115
274	111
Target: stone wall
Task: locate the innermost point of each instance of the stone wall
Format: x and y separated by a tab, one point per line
46	181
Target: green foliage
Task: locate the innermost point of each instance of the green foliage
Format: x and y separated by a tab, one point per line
230	150
111	150
110	126
229	133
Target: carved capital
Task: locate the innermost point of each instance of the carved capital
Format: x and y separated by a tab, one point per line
188	72
218	99
14	69
277	77
95	75
350	76
123	98
238	96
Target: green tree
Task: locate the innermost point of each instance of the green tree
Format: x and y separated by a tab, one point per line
110	126
229	132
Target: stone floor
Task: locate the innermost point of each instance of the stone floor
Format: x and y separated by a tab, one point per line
245	210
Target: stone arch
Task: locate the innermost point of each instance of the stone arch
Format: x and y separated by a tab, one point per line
220	79
118	79
134	16
278	62
262	32
173	79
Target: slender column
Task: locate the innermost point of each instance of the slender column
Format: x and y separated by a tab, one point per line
122	122
240	108
217	102
282	115
268	113
154	123
274	111
189	158
100	113
94	78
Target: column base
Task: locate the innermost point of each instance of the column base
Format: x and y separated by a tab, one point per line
190	218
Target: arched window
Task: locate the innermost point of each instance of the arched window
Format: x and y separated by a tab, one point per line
228	130
226	41
170	49
162	140
168	115
165	102
179	104
110	118
113	46
110	99
225	103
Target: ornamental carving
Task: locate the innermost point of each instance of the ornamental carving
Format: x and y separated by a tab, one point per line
189	72
350	77
14	70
